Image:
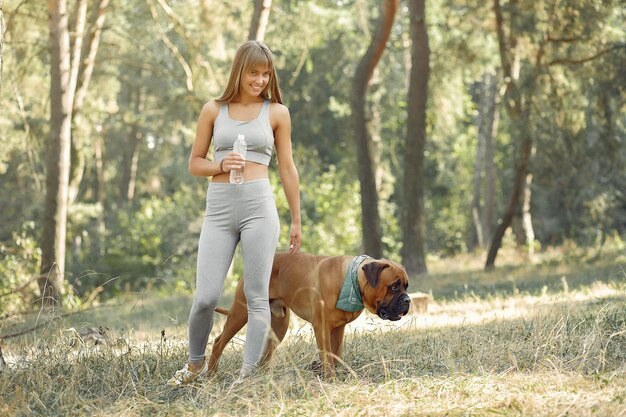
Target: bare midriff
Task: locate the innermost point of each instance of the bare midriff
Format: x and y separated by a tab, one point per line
252	171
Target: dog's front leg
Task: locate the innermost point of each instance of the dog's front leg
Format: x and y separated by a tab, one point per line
323	339
336	341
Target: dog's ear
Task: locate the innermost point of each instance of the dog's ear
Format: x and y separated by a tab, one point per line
372	271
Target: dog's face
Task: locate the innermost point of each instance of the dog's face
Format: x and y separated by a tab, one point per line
386	294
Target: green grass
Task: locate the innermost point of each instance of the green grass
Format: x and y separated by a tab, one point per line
485	348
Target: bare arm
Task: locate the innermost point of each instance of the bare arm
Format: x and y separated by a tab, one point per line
288	172
198	164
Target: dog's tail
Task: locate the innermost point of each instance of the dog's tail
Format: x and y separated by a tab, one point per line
222	311
277	308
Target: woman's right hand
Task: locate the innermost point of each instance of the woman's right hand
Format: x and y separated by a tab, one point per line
233	160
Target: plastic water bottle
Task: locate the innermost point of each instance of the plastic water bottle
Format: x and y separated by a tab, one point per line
240	146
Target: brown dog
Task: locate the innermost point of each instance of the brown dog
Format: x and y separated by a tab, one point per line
310	286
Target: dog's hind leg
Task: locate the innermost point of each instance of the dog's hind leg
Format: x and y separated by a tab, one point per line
236	319
280	325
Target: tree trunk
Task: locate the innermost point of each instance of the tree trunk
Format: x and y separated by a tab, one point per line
2	30
370	218
476	231
260	17
519	183
522	224
527	224
130	157
519	115
490	168
130	161
413	254
87	65
58	157
487	120
75	53
100	193
85	70
77	170
77	162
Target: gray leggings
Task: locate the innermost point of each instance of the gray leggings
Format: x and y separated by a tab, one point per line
235	212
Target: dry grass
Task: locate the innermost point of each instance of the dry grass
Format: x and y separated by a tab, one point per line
547	352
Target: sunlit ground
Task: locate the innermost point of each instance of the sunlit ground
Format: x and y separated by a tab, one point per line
529	339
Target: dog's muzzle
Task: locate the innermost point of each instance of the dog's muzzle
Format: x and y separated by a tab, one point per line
395	309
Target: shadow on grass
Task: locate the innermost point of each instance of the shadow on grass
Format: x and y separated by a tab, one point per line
56	379
145	315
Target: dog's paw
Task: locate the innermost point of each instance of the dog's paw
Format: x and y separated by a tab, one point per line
316	366
318	369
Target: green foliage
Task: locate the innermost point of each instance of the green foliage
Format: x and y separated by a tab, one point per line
146	94
330	212
19	263
151	246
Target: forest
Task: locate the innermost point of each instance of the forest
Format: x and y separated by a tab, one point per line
492	124
480	144
419	132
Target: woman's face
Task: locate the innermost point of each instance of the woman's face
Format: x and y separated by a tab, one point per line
255	80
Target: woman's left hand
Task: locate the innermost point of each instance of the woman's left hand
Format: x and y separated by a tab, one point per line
295	239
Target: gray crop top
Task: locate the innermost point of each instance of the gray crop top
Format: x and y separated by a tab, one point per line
258	132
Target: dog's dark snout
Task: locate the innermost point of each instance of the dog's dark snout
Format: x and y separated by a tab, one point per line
405	302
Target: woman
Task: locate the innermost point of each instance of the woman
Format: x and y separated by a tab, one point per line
251	105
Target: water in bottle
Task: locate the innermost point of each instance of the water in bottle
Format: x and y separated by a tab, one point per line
240	146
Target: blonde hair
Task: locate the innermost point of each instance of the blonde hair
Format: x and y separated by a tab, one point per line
250	55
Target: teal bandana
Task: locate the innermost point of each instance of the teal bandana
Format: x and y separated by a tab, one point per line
350	296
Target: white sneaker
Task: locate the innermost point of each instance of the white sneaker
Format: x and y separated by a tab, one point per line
245	375
185	376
